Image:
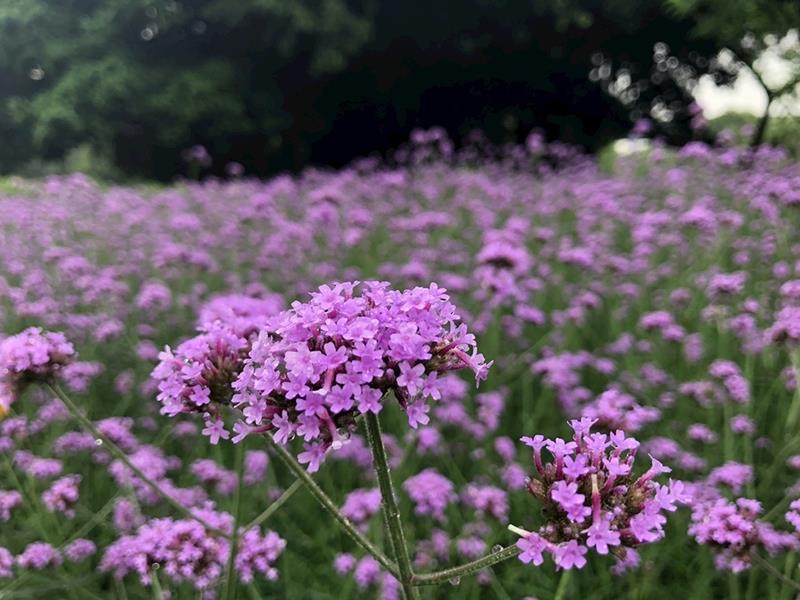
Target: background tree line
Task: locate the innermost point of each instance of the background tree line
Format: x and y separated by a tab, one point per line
277	85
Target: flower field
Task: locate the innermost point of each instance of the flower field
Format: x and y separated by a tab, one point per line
503	373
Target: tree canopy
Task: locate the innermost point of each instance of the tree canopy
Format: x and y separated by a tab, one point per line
276	85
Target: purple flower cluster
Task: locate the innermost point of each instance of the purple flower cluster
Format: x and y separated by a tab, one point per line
242	314
79	550
323	362
39	556
63	495
257	554
361	504
6	562
786	328
197	375
734	533
186	552
591	499
32	355
210	473
431	493
9	500
614	410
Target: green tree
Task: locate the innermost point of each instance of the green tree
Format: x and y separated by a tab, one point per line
160	71
753	33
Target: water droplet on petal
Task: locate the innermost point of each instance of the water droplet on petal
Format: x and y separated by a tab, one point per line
98	442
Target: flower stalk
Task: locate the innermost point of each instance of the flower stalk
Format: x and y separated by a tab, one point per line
302	475
229	591
272	508
389	503
117	452
466	569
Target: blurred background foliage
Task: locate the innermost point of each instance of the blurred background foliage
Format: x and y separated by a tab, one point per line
122	87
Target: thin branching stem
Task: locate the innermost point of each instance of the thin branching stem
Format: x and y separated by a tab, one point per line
456	573
272	508
117	452
300	472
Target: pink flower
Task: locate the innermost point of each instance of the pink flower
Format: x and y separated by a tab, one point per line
533	547
569	555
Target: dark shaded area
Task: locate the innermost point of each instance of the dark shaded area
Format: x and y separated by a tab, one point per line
279	88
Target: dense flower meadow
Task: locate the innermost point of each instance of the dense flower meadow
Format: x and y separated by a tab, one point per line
491	373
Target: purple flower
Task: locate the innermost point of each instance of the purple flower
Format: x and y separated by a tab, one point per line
313	455
255	466
32	355
591	499
79	550
600	536
188	552
39	556
215	429
566	494
9	500
313	368
431	493
6	563
62	495
344	563
569	555
533	547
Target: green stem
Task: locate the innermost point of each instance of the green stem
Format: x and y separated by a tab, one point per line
776	573
733	587
794	409
727	432
300	472
467	568
270	510
563	584
788	571
120	455
389	503
229	591
158	593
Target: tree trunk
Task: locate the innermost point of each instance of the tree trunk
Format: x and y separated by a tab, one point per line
761	128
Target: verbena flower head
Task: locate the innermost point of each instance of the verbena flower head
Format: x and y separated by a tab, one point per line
786	328
431	493
9	500
197	375
6	562
79	550
186	552
734	533
32	355
591	498
38	556
63	495
242	314
320	364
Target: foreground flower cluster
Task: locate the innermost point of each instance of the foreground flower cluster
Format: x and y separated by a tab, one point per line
310	370
591	498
